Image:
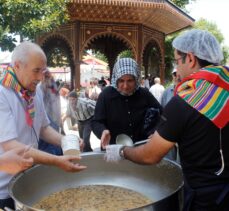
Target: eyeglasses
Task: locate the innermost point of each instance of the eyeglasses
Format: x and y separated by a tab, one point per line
175	61
39	70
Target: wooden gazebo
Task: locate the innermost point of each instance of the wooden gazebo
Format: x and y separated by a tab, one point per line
112	26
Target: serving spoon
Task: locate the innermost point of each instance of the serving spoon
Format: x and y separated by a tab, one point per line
125	140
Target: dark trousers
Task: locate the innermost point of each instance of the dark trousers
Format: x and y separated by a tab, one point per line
210	198
50	148
84	128
7	203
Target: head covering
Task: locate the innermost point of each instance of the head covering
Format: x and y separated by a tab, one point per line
72	94
201	43
174	70
125	66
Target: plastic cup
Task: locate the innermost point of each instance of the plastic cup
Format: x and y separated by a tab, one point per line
70	145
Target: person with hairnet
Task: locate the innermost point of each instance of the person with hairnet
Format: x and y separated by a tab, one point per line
197	119
121	108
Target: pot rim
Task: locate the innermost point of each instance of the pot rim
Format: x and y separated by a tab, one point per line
28	208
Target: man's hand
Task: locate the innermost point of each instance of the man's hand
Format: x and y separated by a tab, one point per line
68	163
81	144
15	160
75	127
105	138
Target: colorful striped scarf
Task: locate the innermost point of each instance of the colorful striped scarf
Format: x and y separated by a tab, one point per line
9	80
207	91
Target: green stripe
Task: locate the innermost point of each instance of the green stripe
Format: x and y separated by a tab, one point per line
200	94
218	71
217	105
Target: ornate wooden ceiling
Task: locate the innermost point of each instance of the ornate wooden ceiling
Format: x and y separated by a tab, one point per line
160	15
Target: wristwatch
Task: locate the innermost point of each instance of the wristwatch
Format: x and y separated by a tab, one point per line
121	152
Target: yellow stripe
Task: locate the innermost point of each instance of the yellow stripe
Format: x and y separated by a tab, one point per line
212	101
186	88
185	92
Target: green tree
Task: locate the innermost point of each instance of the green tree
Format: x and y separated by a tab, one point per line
100	56
182	3
126	54
6	41
29	18
57	58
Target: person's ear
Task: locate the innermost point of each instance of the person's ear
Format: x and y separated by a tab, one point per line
17	65
191	58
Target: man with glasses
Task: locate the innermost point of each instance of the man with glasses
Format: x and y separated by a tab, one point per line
197	120
23	117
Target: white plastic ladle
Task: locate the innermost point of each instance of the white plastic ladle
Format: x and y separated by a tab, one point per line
125	140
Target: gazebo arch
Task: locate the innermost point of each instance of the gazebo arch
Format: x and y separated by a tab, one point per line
109	39
152	58
57	40
135	22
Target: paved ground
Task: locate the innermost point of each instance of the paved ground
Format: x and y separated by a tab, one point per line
95	142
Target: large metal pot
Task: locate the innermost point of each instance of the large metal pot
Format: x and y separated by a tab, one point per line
161	182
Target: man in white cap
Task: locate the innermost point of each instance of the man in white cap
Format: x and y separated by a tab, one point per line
197	119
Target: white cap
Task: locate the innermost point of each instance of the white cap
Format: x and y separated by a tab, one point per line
174	71
201	43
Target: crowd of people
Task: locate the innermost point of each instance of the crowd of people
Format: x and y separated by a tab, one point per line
186	122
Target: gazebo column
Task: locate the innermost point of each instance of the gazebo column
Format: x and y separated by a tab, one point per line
77	56
146	68
162	63
139	49
111	60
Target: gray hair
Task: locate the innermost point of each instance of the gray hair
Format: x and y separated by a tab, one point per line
201	43
22	51
157	80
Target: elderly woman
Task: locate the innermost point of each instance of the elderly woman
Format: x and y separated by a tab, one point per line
121	107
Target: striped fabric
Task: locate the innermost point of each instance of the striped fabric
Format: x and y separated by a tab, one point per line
208	92
125	66
83	109
9	80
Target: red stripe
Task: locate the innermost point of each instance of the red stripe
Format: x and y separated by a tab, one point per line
222	118
211	77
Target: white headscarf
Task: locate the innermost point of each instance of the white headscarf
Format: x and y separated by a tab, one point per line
125	66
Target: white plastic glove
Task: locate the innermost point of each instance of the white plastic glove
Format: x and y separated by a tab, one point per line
113	153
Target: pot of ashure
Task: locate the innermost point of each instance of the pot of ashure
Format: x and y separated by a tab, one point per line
160	183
